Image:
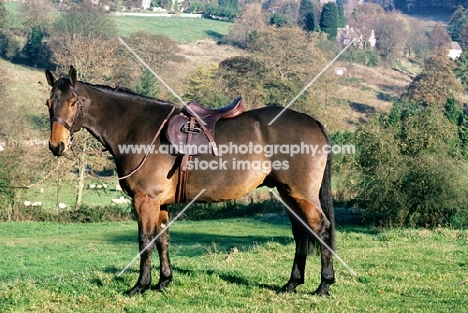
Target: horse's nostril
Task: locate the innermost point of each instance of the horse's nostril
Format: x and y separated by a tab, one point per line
57	150
61	147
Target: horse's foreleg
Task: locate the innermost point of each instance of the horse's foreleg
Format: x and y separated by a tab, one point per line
162	244
147	211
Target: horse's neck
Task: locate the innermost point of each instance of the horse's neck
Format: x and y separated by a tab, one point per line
114	120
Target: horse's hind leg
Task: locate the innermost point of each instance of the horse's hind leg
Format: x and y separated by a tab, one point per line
310	212
162	244
147	211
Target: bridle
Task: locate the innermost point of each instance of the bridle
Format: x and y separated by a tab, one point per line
80	108
65	124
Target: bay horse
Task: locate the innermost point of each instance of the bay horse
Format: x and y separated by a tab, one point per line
116	117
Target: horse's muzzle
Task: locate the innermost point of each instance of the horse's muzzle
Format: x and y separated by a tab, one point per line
57	150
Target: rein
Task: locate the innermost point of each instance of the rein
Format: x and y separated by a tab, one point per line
152	142
70	129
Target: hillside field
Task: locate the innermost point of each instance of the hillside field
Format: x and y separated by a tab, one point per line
49	267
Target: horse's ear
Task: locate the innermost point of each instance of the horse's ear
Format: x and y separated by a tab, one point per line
50	78
72	75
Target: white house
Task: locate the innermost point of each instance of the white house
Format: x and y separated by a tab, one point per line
454	50
346	34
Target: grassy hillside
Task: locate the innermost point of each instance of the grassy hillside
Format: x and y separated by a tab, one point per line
73	268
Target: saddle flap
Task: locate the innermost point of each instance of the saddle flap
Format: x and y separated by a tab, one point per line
177	133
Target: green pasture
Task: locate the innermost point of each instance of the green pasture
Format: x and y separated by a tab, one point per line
180	29
48	193
51	267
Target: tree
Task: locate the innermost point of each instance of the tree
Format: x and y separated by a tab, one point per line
3	16
288	63
32	48
456	22
436	83
86	38
461	69
387	5
463	37
37	13
341	13
407	174
438	37
416	42
329	20
307	19
204	87
9	46
390	32
250	21
279	20
148	85
364	20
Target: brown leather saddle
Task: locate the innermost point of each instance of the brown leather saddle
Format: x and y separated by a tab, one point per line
192	131
195	126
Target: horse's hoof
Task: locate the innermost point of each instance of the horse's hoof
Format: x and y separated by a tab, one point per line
136	290
162	285
322	293
288	288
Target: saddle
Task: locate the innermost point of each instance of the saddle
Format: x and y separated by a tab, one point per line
193	128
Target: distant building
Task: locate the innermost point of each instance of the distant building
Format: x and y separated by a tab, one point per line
146	4
454	50
346	34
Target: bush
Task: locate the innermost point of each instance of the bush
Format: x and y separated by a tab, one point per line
366	57
408	174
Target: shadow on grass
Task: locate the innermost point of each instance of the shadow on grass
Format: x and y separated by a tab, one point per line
213	34
190	244
229	278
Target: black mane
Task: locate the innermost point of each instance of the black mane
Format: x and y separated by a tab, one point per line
123	90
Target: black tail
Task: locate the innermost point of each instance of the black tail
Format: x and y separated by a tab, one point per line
326	199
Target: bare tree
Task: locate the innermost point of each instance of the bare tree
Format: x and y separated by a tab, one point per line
390	32
250	20
364	20
37	13
439	37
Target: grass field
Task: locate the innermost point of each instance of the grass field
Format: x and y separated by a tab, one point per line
49	267
180	29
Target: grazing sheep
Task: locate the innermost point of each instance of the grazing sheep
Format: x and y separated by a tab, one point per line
120	200
92	186
37	203
62	205
27	203
118	188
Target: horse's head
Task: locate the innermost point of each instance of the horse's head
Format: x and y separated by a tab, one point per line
65	109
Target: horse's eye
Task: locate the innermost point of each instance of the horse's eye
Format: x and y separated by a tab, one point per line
73	102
